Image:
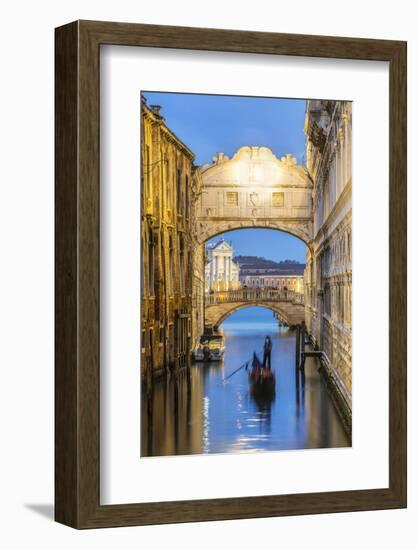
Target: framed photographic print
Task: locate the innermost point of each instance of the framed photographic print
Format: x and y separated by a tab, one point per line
230	274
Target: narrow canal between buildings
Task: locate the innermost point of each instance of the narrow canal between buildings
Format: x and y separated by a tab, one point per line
197	413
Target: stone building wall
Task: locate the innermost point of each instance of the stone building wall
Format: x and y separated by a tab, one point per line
168	189
328	274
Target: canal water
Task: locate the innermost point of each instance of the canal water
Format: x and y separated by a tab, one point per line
198	412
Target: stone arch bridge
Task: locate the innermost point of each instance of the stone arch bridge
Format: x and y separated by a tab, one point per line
254	189
288	305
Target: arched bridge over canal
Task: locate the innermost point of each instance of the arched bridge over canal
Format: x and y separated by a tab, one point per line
288	305
254	189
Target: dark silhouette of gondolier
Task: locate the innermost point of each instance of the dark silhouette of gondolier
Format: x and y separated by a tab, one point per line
267	352
256	364
206	352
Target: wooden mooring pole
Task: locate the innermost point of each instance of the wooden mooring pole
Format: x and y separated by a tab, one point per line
303	344
297	347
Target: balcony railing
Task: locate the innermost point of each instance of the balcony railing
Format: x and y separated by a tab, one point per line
254	295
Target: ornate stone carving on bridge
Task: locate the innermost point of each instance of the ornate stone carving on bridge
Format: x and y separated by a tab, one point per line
254	189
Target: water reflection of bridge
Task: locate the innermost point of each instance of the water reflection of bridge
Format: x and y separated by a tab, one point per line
288	305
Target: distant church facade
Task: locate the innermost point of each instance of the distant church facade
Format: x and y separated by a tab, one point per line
221	272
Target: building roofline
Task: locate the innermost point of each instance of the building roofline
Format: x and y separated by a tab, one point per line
148	113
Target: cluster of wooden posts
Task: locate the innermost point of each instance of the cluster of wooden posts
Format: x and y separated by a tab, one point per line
300	347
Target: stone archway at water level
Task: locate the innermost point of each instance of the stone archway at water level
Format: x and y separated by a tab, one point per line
290	312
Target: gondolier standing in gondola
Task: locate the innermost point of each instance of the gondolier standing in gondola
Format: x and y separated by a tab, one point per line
267	353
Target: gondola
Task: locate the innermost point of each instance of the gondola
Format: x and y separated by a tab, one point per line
262	380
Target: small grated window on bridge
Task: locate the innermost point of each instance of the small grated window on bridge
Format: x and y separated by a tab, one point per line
231	199
277	199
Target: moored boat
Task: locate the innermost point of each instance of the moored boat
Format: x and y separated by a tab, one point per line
211	346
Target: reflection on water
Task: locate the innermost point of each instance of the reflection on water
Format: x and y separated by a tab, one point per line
196	412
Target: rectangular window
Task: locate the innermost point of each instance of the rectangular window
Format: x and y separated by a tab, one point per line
148	171
187	198
231	199
277	199
182	270
171	344
327	299
168	185
171	266
163	179
179	196
151	271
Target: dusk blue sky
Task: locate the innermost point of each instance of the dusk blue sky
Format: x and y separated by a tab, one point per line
267	243
208	124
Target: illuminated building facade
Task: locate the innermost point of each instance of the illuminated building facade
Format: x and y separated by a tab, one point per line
328	280
169	185
221	272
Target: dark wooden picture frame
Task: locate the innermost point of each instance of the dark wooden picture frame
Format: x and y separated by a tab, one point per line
77	372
